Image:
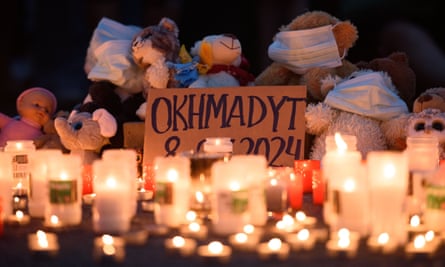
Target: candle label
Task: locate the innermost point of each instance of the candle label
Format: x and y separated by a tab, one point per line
235	202
62	192
435	197
20	167
164	193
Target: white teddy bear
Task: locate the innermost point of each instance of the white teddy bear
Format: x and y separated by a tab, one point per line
222	63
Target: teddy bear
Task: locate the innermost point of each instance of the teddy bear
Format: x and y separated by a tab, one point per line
221	62
357	106
311	46
402	75
430	98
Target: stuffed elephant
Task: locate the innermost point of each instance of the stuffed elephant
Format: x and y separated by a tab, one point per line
84	131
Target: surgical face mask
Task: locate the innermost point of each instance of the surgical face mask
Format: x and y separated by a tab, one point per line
304	49
369	94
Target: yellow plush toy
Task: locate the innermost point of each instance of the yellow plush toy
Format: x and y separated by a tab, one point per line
312	46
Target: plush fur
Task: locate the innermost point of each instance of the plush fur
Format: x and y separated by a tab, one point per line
346	35
431	98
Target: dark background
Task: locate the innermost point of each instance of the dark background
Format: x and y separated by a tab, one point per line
44	42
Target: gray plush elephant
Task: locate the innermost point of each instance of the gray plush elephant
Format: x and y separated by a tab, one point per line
86	133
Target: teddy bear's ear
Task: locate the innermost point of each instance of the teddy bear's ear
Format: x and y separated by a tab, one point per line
346	35
169	25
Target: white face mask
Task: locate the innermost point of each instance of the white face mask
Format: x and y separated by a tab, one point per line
369	94
304	49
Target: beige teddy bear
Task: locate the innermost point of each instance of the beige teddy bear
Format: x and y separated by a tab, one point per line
311	46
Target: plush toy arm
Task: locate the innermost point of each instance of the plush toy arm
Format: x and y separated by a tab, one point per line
4	119
318	117
395	132
158	75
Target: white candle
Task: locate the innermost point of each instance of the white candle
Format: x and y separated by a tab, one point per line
388	178
274	248
343	241
303	239
109	247
230	210
6	183
243	241
113	204
43	242
39	183
382	242
180	245
172	176
215	250
19	218
195	230
65	190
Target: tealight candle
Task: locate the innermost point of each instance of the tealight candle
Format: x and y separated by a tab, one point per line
108	246
382	242
303	239
343	241
19	218
243	241
182	246
194	229
53	222
422	244
303	219
42	242
273	248
215	250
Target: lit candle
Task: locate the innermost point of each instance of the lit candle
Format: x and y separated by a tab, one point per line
274	248
109	247
318	187
305	167
41	242
172	190
383	243
243	241
343	241
303	239
303	219
276	195
65	189
39	183
215	250
194	229
112	214
19	218
53	222
180	245
387	179
425	243
6	183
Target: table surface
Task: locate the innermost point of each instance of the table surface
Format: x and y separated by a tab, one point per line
76	249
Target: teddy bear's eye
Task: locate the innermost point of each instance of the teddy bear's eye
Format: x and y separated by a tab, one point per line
77	125
420	126
438	125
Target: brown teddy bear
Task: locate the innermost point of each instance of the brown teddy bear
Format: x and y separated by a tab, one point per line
402	75
431	98
312	45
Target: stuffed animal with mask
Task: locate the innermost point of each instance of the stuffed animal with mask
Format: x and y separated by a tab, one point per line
311	46
355	106
222	62
402	75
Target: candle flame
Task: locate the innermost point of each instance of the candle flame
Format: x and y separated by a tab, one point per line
19	145
107	239
429	236
19	214
419	241
273	182
349	185
274	244
341	144
191	215
172	175
178	241
248	228
414	221
343	233
241	237
344	242
54	219
234	186
383	238
389	171
194	227
42	239
303	234
215	247
199	196
300	216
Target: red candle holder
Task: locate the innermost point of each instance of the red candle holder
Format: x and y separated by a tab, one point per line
295	191
87	179
305	168
318	187
148	174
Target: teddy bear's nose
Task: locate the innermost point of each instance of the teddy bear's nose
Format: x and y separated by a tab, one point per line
77	126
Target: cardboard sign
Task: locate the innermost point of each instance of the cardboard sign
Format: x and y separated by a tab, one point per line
266	120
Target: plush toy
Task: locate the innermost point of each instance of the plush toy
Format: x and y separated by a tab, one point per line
35	107
427	122
298	55
86	132
355	106
402	75
222	61
430	98
50	138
